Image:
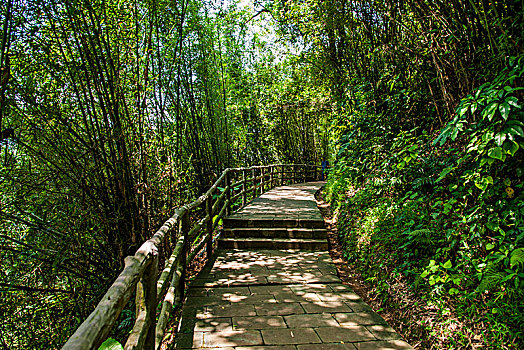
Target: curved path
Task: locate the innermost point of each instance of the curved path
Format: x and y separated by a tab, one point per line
254	299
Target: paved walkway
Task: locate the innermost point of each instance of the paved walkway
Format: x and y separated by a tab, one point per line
279	299
286	203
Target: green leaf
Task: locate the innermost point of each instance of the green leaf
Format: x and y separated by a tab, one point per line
504	110
493	226
491	278
515	122
514	130
489	246
481	185
489	111
477	93
111	344
511	147
473	107
447	264
453	291
517	257
461	110
496	153
513	101
484	182
499	138
443	174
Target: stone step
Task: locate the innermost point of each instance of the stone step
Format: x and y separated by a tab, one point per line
278	223
282	232
273	243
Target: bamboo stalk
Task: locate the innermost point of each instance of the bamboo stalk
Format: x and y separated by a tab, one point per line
209	210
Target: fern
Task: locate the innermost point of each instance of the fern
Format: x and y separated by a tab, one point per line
517	257
422	236
491	279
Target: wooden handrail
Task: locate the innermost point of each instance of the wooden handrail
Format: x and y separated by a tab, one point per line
140	271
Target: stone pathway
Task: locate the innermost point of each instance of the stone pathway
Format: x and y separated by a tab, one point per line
278	299
293	202
286	217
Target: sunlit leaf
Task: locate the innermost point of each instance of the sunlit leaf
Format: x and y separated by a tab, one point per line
495	152
504	110
499	138
489	111
111	344
513	101
514	130
511	147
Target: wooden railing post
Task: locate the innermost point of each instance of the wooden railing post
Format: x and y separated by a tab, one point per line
262	179
282	175
181	267
304	173
244	188
228	193
271	184
151	301
294	173
209	226
143	334
254	183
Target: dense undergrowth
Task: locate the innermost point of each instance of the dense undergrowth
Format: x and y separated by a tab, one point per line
442	212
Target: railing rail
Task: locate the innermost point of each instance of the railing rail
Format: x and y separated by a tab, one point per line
141	271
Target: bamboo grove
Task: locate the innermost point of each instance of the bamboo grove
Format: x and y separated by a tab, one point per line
112	115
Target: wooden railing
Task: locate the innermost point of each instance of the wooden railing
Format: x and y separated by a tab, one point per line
233	189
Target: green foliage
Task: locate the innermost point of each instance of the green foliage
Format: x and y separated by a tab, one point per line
517	258
445	216
440	210
111	344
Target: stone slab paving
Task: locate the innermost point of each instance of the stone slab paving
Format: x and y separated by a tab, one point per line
285	202
278	299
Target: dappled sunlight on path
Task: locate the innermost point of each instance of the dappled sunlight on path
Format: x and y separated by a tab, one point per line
288	299
272	297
